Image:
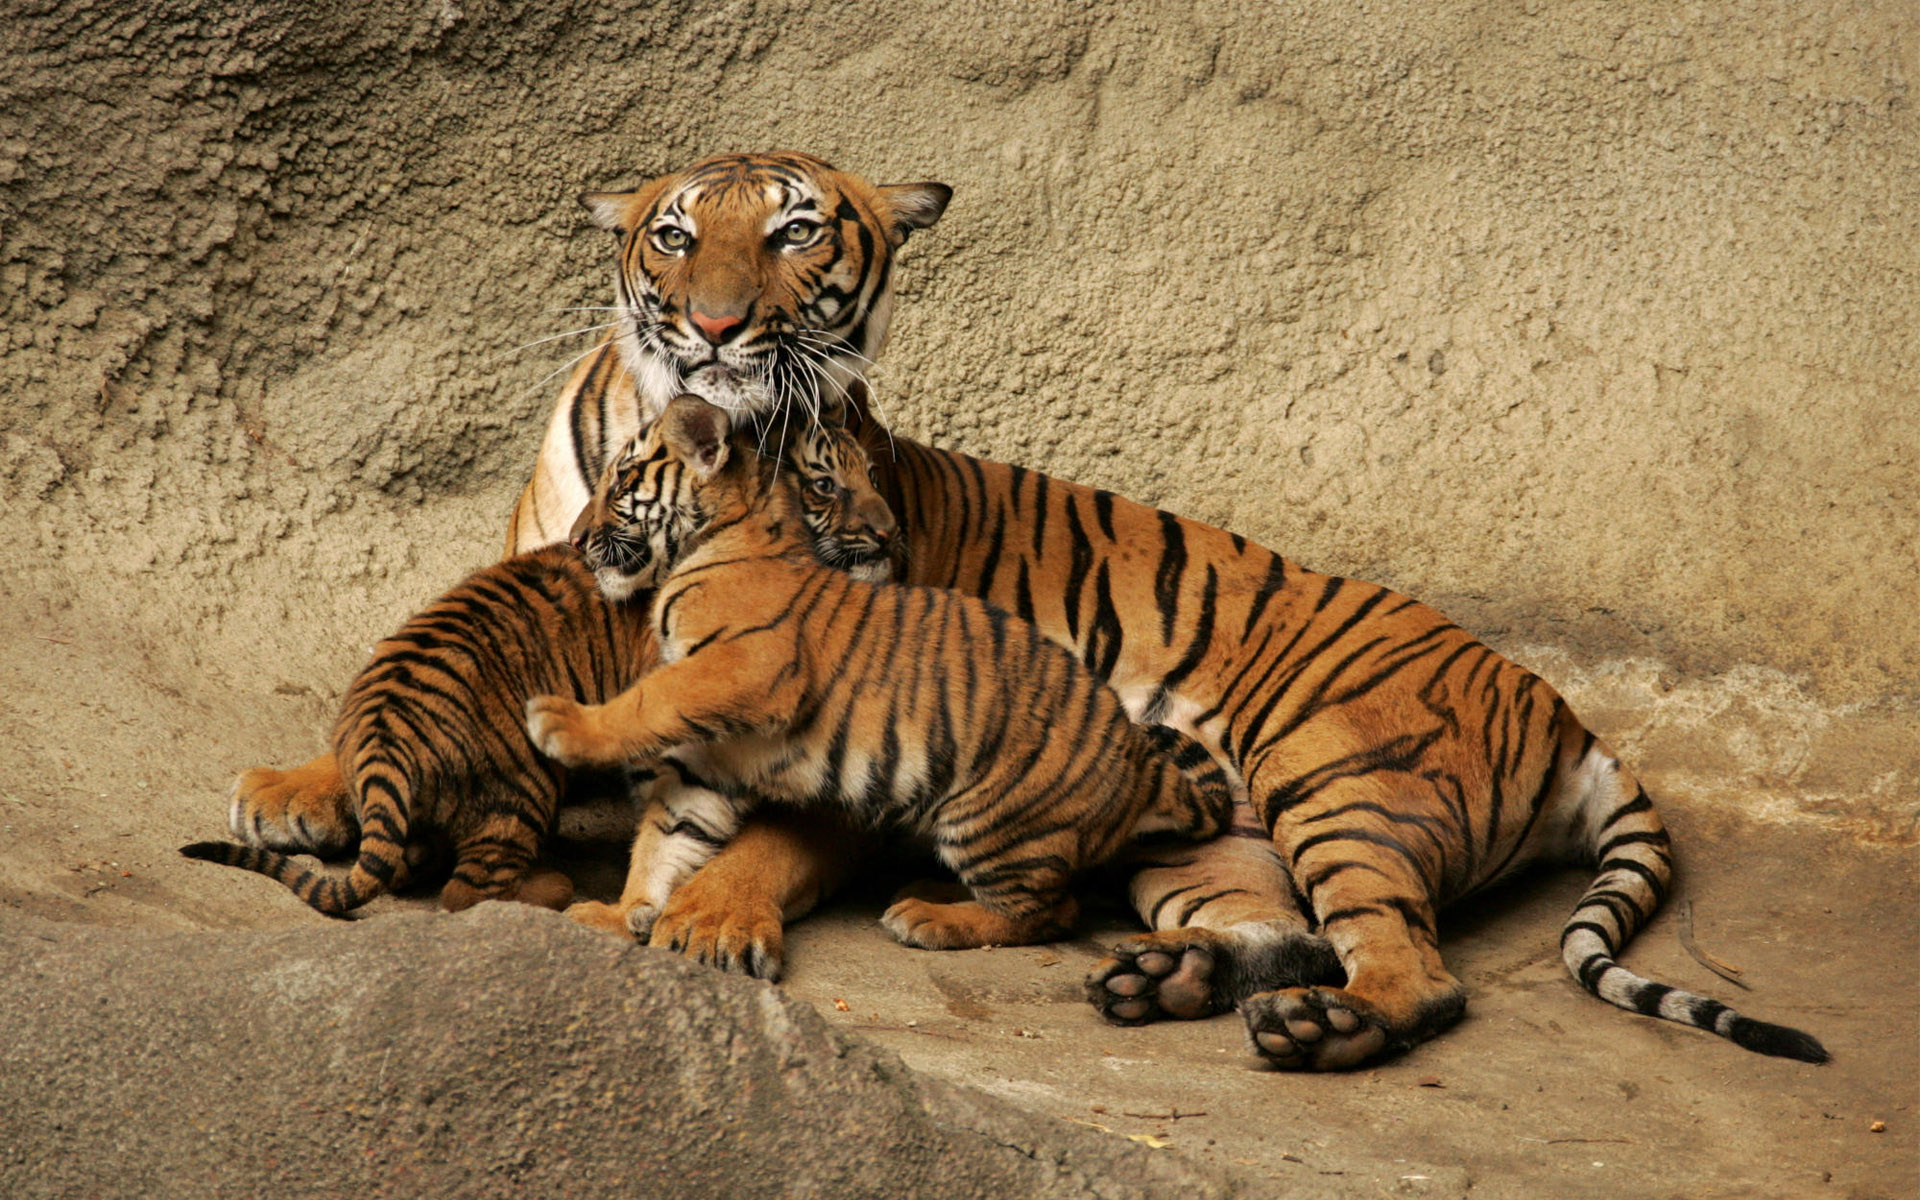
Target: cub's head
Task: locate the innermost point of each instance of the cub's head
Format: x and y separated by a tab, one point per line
651	503
760	282
682	471
847	520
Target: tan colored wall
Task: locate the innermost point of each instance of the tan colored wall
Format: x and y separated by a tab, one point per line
1594	323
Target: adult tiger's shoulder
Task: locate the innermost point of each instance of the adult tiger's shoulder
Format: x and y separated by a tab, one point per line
761	282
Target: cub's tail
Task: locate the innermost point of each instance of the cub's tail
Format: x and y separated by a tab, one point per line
380	867
1200	804
1635	869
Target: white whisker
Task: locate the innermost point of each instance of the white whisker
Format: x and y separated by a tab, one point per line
556	337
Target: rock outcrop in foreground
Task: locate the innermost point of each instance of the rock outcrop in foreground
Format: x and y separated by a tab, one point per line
503	1052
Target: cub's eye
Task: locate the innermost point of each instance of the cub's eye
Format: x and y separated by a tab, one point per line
796	233
822	486
672	239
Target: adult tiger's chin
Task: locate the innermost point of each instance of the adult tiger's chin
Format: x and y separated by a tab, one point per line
747	396
804	379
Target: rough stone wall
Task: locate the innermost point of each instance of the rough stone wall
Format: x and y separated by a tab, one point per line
1594	323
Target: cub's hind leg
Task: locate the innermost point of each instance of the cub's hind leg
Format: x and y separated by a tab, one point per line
494	853
305	810
1224	926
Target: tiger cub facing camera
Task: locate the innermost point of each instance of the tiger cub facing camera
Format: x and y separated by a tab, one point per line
911	707
431	739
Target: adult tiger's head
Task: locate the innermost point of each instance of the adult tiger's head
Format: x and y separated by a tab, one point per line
658	496
760	282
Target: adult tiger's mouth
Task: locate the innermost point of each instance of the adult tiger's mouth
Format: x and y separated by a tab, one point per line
738	392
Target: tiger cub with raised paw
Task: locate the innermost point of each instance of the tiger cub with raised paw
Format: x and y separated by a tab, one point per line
915	708
430	744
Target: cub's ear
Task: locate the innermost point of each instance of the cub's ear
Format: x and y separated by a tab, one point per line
618	211
696	434
911	206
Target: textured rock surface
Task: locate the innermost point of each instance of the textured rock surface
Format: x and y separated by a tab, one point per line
418	1056
1593	322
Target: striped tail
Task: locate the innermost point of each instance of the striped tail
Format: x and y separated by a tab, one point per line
1636	867
380	867
1203	806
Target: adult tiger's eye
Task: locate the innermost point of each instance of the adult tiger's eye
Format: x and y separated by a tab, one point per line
795	233
672	238
823	486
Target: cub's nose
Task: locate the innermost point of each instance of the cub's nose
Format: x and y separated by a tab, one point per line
716	329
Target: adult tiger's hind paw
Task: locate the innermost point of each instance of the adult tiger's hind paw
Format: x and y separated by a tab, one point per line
1187	974
305	810
1156	976
1314	1029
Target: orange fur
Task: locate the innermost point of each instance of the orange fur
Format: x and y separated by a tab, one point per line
907	706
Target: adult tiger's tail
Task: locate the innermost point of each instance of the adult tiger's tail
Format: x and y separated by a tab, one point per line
1199	804
1636	867
383	793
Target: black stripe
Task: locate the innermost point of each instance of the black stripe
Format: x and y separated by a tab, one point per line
1103	512
1269	587
1173	567
1657	839
1080	562
1599	931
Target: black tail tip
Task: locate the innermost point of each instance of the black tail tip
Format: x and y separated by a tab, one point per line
219	852
1778	1040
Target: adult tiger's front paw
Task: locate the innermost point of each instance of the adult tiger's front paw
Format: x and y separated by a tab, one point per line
738	936
569	733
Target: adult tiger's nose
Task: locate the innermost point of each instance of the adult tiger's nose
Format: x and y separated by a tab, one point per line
716	329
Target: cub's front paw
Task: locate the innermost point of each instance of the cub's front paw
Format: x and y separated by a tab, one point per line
566	731
607	918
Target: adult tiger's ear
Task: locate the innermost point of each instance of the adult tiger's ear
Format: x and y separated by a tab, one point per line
696	434
618	211
911	206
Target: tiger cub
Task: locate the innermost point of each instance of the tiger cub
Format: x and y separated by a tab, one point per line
430	740
911	707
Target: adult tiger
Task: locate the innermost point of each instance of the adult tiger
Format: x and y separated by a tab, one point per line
1398	763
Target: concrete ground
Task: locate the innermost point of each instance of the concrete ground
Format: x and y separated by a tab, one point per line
1542	1091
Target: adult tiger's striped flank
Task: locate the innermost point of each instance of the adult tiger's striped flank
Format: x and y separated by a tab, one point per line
1399	763
916	708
